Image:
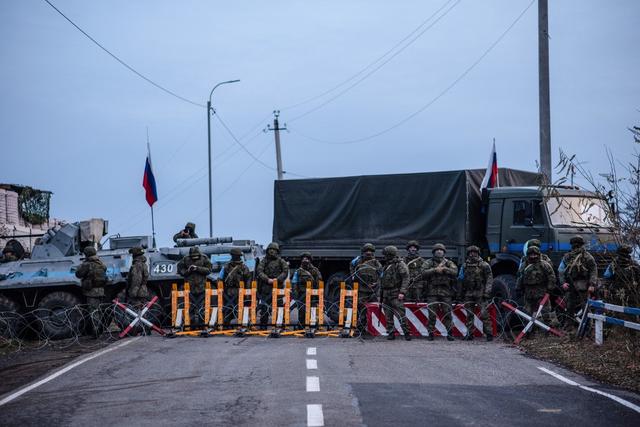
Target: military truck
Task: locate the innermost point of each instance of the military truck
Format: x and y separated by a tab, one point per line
45	285
333	217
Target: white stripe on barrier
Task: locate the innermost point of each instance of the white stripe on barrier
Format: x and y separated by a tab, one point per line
314	316
477	323
245	316
377	324
612	307
397	325
614	321
55	375
179	318
214	317
313	384
592	390
312	364
458	323
347	323
280	316
441	328
315	417
311	351
411	318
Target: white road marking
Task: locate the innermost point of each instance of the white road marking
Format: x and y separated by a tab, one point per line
592	390
314	416
312	364
64	370
311	351
313	384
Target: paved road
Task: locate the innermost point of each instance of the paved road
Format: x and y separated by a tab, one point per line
257	381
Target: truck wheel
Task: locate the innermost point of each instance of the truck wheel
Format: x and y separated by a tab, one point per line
332	294
10	319
60	315
504	287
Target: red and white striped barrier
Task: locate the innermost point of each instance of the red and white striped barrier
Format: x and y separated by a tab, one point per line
138	317
533	320
417	315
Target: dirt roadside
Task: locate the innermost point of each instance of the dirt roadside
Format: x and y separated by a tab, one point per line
616	362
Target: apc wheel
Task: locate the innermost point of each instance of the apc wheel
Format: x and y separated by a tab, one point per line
332	294
504	287
10	319
60	315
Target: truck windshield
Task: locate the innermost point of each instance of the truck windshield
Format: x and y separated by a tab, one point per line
578	212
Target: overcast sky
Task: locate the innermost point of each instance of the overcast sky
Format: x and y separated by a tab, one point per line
73	120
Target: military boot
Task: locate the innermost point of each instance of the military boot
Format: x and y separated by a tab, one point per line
391	336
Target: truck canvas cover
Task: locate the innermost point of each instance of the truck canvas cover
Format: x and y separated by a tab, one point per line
343	213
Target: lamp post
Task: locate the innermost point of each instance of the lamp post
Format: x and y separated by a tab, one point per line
209	111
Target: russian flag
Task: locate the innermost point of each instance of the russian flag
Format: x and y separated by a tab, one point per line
149	182
491	179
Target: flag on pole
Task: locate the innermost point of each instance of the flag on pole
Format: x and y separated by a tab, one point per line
149	181
491	179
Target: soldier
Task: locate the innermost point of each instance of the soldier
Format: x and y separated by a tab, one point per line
307	272
523	261
394	283
271	268
537	279
415	263
623	275
440	274
137	292
234	272
578	274
92	273
194	268
476	282
365	269
188	232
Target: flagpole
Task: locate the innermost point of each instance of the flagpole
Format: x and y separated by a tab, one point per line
153	224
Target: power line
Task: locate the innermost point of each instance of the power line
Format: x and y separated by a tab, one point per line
130	68
382	64
433	100
371	64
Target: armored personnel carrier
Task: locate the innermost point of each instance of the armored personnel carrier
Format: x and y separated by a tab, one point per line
45	287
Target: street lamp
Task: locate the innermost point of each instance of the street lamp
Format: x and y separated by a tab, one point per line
209	111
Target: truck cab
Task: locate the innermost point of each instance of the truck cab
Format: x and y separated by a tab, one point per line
550	214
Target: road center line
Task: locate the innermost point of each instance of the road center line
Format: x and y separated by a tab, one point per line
313	384
314	416
311	351
312	364
64	370
592	390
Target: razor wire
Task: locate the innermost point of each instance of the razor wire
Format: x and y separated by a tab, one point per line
90	326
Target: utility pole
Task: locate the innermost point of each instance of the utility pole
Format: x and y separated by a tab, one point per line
543	79
276	129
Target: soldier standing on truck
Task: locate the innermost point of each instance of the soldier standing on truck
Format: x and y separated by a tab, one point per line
441	274
415	263
307	272
537	279
270	269
137	292
476	282
623	275
578	274
234	272
194	268
394	283
188	232
92	273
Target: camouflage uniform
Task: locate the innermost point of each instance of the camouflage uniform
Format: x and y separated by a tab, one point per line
92	273
270	267
394	281
440	274
137	291
194	268
476	283
524	260
365	270
537	279
416	264
623	276
578	269
234	272
188	232
307	272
